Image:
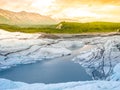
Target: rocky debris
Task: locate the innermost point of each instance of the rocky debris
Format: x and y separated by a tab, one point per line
50	36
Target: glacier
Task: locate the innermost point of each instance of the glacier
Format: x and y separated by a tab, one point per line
100	56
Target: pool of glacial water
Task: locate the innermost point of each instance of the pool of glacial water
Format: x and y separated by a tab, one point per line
48	71
57	70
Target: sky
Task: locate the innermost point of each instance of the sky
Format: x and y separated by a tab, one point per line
68	10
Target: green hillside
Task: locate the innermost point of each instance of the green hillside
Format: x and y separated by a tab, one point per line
66	27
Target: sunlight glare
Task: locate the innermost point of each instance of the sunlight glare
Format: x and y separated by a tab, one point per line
43	3
76	12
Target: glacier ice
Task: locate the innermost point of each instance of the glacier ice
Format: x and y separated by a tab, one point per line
100	60
98	55
86	85
21	48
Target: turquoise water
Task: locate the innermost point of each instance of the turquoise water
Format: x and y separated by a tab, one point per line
48	71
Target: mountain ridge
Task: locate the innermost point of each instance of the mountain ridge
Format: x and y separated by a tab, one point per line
24	18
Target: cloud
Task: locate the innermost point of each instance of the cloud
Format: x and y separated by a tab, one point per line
15	5
77	2
68	9
44	7
92	10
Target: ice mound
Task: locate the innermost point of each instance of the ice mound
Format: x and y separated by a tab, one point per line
20	48
100	60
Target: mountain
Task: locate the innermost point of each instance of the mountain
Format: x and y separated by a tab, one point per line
23	18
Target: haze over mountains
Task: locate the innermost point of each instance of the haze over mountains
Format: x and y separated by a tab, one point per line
24	18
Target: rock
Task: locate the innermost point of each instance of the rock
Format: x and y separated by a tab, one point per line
49	36
59	26
118	30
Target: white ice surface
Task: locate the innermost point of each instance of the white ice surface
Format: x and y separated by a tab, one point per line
116	73
100	60
85	85
20	48
79	85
